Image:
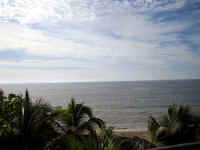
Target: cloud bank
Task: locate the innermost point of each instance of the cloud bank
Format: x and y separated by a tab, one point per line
95	40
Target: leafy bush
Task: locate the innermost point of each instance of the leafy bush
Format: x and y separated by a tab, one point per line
25	125
180	125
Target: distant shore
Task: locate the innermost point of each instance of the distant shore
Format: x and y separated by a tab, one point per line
130	133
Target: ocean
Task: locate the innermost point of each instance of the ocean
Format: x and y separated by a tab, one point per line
122	105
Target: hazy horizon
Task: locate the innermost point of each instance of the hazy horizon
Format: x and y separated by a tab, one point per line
54	82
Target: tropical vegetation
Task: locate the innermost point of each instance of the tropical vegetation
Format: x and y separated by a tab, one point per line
180	125
24	124
36	125
29	125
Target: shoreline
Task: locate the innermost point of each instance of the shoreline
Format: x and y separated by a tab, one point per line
131	133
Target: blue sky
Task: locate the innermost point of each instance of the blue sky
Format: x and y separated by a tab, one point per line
99	40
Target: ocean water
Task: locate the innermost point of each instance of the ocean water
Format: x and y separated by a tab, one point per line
123	105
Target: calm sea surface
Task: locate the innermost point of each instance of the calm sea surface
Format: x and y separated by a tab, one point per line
125	105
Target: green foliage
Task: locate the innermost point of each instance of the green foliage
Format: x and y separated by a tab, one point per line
78	119
180	125
25	125
106	138
132	143
103	141
8	111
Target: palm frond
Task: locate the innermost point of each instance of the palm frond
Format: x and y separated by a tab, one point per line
153	126
178	126
86	111
96	121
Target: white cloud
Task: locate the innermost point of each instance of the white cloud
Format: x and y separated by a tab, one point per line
37	11
107	33
175	4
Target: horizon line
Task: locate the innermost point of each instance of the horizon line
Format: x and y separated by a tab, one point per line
55	82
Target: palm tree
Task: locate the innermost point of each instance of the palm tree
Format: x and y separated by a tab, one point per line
178	126
78	119
32	124
103	141
1	95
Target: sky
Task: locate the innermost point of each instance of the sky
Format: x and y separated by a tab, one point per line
99	40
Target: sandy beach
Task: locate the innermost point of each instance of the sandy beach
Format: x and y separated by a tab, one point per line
130	133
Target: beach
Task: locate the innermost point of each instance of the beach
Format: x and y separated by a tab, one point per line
131	133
